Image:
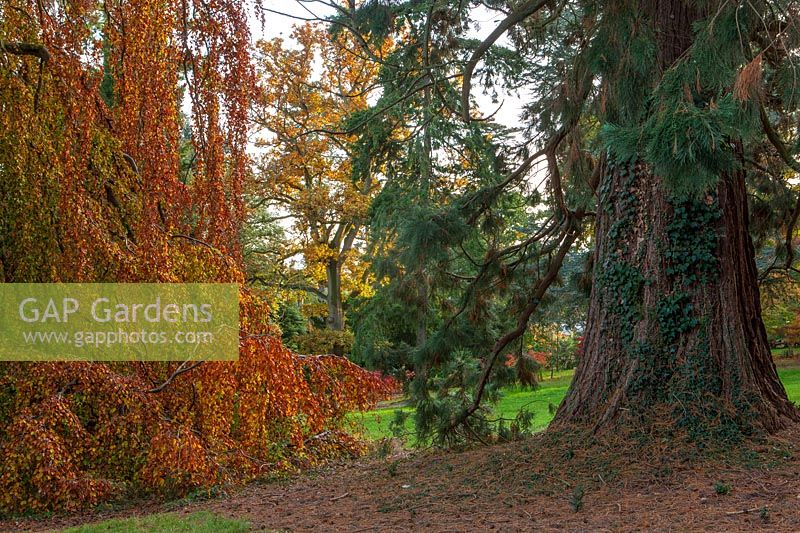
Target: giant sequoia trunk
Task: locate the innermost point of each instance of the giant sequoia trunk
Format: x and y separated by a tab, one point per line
674	332
675	319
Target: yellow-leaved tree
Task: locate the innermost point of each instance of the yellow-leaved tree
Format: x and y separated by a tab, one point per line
312	91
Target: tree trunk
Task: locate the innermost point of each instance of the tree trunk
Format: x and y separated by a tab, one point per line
333	272
674	325
674	333
422	311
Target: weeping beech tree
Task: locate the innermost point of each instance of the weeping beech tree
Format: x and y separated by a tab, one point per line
98	184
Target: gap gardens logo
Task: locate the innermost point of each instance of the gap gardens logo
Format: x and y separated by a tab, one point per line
119	322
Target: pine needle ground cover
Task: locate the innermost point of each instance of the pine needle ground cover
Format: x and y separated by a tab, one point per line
554	479
536	484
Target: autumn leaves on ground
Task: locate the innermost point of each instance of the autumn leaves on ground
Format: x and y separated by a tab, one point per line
624	238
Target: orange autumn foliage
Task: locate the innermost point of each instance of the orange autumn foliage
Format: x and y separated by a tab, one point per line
99	182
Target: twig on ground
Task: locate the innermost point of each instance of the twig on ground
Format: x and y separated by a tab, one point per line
745	511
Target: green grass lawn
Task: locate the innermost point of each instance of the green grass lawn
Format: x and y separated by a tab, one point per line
790	377
374	425
202	522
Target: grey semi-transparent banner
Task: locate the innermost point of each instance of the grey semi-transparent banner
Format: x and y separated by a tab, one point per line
119	321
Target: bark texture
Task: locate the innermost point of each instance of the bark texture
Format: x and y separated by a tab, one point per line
675	316
674	326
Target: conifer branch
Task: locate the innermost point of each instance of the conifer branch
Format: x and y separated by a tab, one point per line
571	233
547	230
776	140
790	227
792	163
555	181
525	11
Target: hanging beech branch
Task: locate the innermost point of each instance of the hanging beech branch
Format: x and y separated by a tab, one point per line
29	49
182	369
25	49
194	240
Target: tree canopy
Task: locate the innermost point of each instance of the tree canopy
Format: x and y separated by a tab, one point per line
633	221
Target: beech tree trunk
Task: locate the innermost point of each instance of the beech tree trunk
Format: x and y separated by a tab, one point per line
333	271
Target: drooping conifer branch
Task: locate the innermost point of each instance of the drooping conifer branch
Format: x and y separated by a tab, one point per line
571	233
525	11
777	142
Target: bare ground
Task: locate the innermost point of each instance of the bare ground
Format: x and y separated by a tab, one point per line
526	485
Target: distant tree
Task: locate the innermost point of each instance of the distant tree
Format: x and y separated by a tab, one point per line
292	323
308	173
